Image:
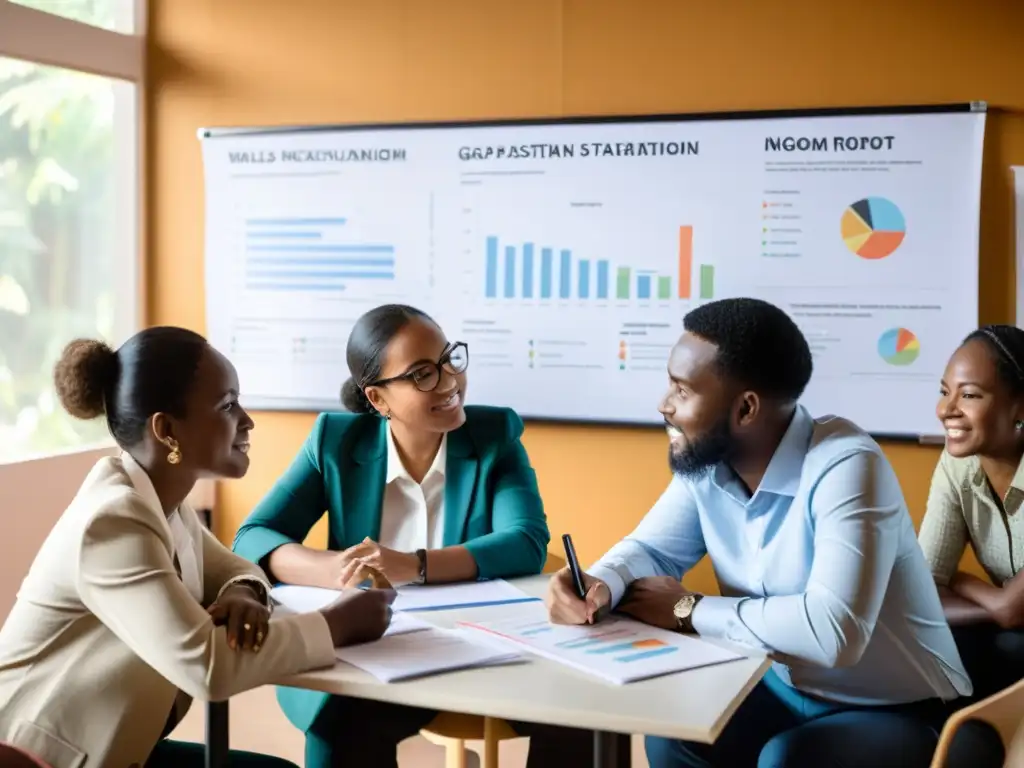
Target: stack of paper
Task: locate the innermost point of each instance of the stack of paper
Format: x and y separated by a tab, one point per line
303	599
407	656
469	595
617	649
292	599
411	647
412	598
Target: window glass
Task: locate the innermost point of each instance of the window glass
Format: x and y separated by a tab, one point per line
68	231
116	15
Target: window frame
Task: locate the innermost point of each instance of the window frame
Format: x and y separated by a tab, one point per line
44	38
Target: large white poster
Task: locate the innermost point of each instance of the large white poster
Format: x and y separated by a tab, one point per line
1018	201
566	254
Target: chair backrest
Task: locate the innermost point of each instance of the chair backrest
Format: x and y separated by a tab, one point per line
1015	752
12	757
1004	711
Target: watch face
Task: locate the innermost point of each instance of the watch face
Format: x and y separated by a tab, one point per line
684	607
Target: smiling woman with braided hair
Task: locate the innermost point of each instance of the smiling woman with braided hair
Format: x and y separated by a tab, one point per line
976	497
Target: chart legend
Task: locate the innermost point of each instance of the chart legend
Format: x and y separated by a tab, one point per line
873	228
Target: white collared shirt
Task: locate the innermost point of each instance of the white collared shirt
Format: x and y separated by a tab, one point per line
413	513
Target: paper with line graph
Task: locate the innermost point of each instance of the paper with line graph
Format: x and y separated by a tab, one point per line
618	649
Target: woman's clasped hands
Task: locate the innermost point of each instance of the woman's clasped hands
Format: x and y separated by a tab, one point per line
369	561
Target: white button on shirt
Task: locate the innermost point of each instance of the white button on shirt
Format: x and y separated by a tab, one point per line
412	516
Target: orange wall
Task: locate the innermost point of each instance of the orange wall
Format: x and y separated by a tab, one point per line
258	62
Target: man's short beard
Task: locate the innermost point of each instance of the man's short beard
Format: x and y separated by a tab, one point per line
714	447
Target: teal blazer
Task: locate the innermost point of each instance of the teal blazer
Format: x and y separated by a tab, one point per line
491	502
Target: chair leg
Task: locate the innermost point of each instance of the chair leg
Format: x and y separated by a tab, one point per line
455	754
490	743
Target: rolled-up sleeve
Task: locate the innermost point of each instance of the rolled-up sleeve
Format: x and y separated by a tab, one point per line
667	542
858	509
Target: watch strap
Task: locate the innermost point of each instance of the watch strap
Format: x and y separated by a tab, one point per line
421	577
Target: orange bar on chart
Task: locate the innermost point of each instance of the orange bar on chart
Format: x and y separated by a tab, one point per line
685	261
649	643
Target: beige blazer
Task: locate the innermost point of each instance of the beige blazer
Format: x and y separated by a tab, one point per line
105	642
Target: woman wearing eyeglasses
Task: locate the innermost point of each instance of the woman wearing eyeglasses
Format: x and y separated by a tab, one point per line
418	487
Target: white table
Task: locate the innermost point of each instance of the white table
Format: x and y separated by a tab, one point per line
693	705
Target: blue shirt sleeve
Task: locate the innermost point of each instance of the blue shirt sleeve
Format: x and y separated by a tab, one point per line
667	542
857	506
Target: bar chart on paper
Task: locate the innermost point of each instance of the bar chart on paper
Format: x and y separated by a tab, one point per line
520	269
617	649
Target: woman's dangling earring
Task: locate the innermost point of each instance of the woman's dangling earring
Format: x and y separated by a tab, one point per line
174	457
387	416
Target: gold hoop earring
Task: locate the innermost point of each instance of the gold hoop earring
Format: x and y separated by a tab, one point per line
174	457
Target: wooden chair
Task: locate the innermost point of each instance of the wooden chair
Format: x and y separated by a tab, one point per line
12	757
452	730
1004	711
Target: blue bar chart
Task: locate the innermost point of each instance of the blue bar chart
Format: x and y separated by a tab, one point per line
307	254
511	271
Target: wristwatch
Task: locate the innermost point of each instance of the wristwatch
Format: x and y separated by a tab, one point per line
683	611
421	576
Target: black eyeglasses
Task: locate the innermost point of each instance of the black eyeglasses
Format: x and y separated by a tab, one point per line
426	376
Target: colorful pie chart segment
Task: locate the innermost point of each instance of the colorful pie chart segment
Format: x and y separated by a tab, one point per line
898	346
873	227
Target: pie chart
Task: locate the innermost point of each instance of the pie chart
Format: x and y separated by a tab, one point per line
873	227
898	346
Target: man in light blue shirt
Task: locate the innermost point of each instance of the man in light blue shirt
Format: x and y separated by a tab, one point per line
815	554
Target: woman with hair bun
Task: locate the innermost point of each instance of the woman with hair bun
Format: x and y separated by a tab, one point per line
132	607
977	498
417	486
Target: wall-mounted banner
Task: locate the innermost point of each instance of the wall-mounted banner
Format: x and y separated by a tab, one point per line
1018	198
566	253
